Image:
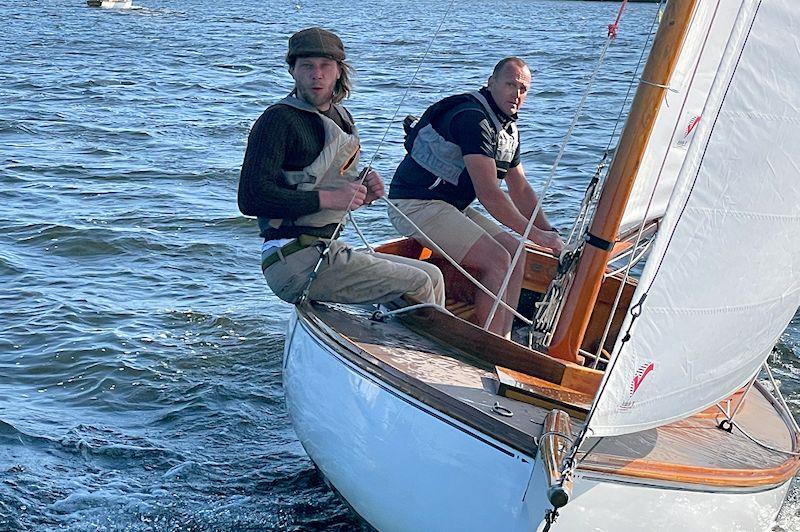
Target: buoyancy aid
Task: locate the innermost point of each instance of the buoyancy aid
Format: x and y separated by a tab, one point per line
335	166
442	158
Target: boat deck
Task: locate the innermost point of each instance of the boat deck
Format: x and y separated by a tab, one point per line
463	386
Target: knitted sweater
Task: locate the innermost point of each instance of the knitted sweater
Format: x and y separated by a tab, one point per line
283	138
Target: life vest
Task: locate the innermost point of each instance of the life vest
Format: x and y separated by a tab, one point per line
442	158
335	166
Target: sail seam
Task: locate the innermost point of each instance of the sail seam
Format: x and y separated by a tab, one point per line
763	116
708	141
747	214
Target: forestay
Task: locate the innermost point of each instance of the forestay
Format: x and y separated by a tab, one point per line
723	279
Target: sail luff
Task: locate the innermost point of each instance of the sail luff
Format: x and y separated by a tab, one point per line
722	278
580	299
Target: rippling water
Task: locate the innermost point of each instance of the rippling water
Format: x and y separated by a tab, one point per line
140	348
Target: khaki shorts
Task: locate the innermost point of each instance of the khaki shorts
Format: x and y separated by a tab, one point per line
452	230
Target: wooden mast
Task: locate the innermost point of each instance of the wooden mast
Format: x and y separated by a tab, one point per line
581	298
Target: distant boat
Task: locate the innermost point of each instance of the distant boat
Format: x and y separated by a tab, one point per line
110	4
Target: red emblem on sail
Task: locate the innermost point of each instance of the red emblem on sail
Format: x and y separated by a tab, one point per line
638	377
688	131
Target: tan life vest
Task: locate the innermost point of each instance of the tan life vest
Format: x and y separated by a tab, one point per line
335	166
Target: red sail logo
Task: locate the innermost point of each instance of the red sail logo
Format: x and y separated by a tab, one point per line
638	377
688	131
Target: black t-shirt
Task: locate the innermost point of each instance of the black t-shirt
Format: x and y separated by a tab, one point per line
474	133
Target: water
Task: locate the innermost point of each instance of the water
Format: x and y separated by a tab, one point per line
140	348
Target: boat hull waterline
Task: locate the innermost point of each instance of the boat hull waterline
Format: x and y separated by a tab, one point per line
402	465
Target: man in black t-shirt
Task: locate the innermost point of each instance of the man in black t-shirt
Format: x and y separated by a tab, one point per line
461	149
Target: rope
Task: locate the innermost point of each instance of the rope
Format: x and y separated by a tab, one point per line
562	149
367	168
455	264
360	234
776	392
381	315
612	28
761	443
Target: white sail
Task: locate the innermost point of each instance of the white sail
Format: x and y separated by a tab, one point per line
681	111
723	279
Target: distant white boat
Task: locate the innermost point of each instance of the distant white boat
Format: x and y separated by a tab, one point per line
110	4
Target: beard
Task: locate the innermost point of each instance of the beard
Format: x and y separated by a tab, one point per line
316	98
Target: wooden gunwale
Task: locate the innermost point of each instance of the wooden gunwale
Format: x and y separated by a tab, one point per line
687	474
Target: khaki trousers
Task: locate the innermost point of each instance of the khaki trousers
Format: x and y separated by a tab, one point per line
350	276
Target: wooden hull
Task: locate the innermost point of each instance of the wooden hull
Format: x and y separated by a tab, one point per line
404	465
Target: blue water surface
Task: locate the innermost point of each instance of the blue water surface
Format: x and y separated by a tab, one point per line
140	348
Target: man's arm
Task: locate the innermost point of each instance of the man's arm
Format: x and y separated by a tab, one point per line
259	193
483	172
524	197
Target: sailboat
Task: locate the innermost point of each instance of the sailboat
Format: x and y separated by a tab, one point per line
641	401
110	4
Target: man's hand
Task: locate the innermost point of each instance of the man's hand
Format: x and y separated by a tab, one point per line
339	199
374	184
547	239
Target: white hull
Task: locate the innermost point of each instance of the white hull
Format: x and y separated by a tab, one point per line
402	465
111	4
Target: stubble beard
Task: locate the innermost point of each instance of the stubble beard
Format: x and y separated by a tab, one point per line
318	101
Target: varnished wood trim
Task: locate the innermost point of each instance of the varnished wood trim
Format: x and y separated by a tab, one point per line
474	342
685	474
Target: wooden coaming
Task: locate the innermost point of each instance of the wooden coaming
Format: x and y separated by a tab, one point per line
540	269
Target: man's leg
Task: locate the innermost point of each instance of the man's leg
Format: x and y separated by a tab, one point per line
491	260
433	271
510	244
467	242
350	276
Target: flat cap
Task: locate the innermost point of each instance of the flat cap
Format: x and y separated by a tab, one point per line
315	42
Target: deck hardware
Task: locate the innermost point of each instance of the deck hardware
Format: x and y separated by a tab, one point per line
379	316
500	409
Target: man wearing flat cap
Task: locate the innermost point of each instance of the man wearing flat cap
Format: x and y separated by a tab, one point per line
300	176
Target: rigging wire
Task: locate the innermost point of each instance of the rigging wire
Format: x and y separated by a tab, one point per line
549	309
612	33
368	168
634	312
640	232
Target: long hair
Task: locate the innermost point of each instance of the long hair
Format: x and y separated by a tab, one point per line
344	84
